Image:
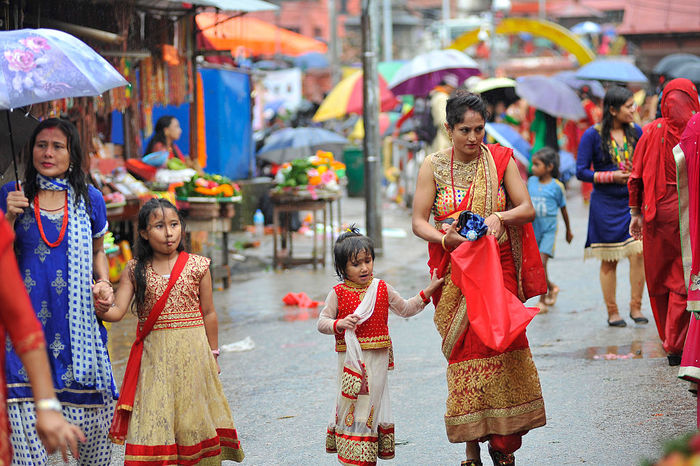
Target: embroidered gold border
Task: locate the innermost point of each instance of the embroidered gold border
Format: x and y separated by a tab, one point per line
495	413
683	208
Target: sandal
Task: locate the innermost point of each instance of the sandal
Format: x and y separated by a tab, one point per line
471	463
501	459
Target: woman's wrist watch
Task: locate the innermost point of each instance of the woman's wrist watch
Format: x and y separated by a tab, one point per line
48	404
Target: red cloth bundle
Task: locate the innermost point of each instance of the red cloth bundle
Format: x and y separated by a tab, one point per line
299	299
496	314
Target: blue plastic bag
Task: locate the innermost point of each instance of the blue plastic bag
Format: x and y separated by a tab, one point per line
471	225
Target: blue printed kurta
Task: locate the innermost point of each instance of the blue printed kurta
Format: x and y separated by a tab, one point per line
45	273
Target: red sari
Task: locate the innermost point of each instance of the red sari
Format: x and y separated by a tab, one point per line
18	318
493	394
687	155
652	188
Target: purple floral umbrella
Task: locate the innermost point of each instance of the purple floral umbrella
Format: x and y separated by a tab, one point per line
37	65
425	71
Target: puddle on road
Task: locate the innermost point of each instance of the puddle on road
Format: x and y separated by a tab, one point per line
635	350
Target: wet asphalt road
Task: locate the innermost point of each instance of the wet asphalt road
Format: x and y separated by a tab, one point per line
599	411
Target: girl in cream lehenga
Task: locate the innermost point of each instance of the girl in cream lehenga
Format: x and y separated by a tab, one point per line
172	408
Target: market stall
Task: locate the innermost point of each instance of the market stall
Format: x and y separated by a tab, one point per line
312	185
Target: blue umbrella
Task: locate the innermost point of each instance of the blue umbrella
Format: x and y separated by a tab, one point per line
550	96
506	136
288	144
37	65
570	79
611	70
311	60
586	27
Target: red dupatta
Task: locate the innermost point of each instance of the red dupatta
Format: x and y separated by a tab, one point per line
125	405
647	182
497	315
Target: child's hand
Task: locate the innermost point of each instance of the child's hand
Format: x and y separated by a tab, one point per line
435	283
347	323
569	236
103	295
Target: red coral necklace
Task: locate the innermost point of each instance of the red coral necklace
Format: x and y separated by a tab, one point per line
37	215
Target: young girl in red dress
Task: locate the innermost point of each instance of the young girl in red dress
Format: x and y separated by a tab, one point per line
356	312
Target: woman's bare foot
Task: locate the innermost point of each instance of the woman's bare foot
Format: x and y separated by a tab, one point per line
551	297
542	307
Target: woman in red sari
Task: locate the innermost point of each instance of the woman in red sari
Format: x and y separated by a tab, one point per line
687	155
493	395
654	210
17	318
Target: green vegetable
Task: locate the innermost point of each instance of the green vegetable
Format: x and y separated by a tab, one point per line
176	164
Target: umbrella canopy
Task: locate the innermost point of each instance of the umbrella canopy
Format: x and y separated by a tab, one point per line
388	69
254	35
37	65
670	62
387	122
690	70
490	84
550	96
346	98
586	27
611	70
420	75
505	135
569	78
311	61
288	144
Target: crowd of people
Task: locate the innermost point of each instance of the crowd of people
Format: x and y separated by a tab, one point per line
486	221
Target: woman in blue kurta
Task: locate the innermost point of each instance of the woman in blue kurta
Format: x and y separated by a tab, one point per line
59	223
608	148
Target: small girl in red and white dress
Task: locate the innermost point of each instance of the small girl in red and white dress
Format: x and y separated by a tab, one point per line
356	312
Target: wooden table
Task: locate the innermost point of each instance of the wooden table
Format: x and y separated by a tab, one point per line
290	203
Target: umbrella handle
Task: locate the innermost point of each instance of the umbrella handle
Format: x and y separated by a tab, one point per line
18	186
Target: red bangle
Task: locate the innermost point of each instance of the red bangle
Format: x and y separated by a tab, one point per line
335	323
422	296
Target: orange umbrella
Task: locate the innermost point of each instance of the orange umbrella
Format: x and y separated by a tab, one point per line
254	35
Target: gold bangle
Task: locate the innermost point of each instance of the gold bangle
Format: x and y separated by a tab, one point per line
500	217
442	241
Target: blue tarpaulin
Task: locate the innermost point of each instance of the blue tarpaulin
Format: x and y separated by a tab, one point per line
227	111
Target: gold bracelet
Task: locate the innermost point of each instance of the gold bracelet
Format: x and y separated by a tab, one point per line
442	241
500	217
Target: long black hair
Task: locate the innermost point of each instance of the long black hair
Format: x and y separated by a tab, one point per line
75	175
143	252
459	102
548	156
159	133
615	98
347	247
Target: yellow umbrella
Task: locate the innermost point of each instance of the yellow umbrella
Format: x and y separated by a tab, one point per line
346	98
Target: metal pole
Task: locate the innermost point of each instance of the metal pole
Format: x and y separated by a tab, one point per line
333	42
370	118
388	31
194	127
445	19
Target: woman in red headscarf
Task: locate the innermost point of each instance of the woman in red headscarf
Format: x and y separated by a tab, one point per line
654	210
